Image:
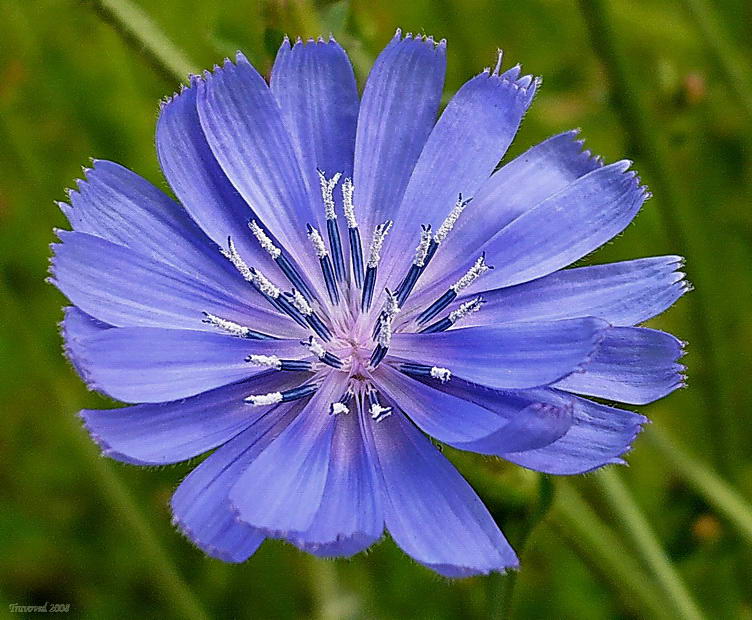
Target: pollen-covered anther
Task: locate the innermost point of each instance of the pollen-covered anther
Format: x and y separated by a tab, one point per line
377	242
448	224
327	193
263	400
274	398
264	284
478	269
318	350
465	309
300	302
347	202
264	241
264	361
442	374
318	242
421	252
231	327
338	408
376	409
231	254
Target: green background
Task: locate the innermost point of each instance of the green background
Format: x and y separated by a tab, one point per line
666	83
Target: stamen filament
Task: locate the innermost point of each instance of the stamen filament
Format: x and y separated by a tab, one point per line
419	264
235	329
423	370
315	347
377	410
274	362
477	270
273	294
326	263
313	320
341	405
455	315
273	398
356	247
279	257
374	256
448	224
327	195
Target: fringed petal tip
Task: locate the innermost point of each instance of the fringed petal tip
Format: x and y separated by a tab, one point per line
418	38
451	571
233	556
87	417
342	547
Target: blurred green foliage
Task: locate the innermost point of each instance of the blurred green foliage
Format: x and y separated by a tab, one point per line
75	528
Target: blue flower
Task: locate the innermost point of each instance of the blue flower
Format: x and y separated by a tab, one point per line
342	277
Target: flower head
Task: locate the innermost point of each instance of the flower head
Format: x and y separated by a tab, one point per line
315	353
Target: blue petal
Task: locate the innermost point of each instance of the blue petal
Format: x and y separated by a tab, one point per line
512	356
441	415
281	491
157	434
398	110
456	413
469	139
517	187
558	231
599	436
75	328
200	504
315	87
350	518
565	227
152	365
245	131
198	181
633	365
431	512
120	287
120	206
623	294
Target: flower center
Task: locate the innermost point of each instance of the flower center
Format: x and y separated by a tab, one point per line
340	340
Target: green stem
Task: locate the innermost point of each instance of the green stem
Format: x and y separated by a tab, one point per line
646	544
503	585
160	568
644	135
716	491
574	520
727	58
140	32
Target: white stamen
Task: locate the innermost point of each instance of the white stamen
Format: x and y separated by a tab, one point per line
477	270
385	333
421	252
391	308
379	234
451	220
327	191
318	243
391	305
467	308
265	361
315	347
301	303
442	374
264	284
264	241
338	408
232	255
347	202
378	412
230	327
261	400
